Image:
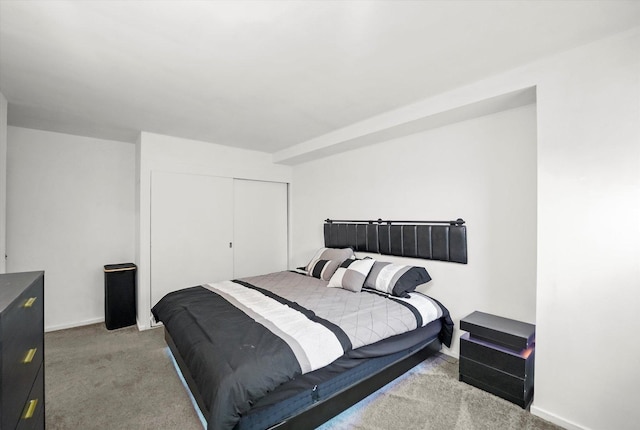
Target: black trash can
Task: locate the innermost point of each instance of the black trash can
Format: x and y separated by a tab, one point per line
119	295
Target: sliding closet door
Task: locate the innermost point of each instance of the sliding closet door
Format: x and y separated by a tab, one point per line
191	231
260	227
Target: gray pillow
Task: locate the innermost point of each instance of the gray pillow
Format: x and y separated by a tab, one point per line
324	269
330	254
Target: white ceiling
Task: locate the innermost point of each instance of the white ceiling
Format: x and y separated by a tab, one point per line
266	75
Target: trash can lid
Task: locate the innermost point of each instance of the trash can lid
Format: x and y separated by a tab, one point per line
119	267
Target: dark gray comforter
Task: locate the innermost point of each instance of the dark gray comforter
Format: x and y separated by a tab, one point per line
241	339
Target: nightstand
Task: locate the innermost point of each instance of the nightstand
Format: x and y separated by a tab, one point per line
497	356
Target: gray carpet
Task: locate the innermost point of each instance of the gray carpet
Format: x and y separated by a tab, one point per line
124	379
121	379
430	397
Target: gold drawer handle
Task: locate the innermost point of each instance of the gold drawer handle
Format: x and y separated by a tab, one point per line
30	302
31	408
29	357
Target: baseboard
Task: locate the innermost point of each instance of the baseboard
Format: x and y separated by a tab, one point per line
553	418
152	324
142	327
449	352
72	325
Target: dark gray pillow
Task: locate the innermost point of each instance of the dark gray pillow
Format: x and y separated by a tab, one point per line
396	279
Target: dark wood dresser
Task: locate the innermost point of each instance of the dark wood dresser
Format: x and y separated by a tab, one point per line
22	351
497	355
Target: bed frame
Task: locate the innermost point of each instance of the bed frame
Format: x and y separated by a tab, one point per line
324	410
432	240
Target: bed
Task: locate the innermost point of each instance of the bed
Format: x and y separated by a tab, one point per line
292	349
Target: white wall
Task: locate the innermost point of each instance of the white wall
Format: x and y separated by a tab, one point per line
482	170
588	243
589	236
3	181
173	154
70	211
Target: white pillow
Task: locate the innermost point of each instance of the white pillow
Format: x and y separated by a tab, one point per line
351	274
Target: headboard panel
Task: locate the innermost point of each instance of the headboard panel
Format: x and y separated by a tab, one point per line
416	239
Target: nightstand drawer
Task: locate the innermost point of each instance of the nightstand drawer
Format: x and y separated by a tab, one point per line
501	331
518	364
522	402
32	416
503	382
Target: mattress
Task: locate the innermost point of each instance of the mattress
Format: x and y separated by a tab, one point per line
252	344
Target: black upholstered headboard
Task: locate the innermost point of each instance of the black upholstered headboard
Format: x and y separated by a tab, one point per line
431	240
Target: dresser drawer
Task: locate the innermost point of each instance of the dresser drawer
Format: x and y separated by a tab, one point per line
32	416
519	364
22	350
509	387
